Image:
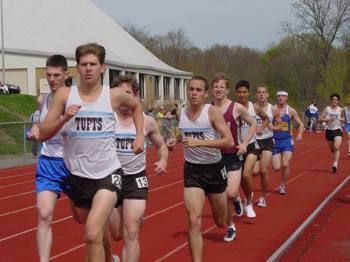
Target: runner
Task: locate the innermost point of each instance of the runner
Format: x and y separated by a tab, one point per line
204	130
51	172
242	93
88	143
232	157
346	117
125	220
332	116
264	137
284	144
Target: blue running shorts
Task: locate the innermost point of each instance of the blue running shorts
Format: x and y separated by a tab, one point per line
283	145
51	175
347	127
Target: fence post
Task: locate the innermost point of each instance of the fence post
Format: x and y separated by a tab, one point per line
24	144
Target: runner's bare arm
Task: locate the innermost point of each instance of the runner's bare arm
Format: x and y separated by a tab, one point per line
157	140
277	125
54	120
35	130
297	119
244	115
119	97
260	112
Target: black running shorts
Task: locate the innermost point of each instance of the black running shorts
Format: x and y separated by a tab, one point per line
212	178
232	161
266	144
83	190
331	134
134	187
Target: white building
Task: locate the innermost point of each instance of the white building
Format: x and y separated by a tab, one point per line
35	29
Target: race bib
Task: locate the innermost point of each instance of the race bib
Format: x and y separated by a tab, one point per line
117	181
142	182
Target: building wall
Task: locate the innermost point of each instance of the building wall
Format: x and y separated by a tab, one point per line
28	72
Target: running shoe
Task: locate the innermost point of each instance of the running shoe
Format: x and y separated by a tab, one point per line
230	235
262	202
249	210
334	168
282	190
116	258
237	204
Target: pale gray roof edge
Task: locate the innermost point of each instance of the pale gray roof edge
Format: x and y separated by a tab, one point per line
127	66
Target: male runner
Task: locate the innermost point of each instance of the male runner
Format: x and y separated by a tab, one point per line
51	172
204	131
284	144
264	137
89	150
242	93
232	157
135	184
346	117
332	115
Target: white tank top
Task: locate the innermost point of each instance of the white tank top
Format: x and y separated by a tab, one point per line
244	126
53	146
124	139
201	128
334	115
88	138
347	114
267	133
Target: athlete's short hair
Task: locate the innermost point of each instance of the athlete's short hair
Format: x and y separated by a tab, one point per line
57	61
200	78
334	95
91	48
242	83
126	79
221	76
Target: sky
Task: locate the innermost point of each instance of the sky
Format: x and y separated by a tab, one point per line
250	23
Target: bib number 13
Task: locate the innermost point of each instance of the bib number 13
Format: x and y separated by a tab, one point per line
142	182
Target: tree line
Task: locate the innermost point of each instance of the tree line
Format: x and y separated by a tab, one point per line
310	62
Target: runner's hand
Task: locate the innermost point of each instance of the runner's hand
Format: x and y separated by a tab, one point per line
190	142
242	148
71	112
138	145
160	167
34	133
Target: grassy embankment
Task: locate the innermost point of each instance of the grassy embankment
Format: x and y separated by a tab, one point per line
14	108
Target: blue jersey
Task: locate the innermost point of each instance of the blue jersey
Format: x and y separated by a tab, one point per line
286	127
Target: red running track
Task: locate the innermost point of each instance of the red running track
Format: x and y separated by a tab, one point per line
164	234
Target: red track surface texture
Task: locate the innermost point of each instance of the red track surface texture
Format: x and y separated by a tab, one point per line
164	234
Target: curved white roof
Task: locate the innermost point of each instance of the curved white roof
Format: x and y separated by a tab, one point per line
43	27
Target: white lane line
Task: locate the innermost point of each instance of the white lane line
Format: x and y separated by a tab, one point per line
284	247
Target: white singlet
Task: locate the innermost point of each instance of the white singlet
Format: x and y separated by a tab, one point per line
88	137
334	115
267	133
53	146
124	139
201	128
244	126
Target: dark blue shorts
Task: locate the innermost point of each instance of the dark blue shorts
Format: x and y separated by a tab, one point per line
283	145
51	175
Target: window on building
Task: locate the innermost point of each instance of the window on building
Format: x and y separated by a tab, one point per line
166	88
142	85
156	87
177	88
112	74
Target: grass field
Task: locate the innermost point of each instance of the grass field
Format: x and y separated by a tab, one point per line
14	108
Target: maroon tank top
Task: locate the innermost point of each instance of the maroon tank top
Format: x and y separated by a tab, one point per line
231	122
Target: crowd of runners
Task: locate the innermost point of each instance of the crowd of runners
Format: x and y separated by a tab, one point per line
94	150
